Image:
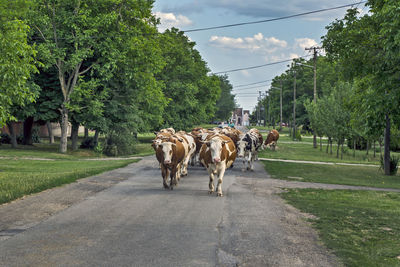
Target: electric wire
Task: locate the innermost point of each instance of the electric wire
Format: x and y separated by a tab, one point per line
274	19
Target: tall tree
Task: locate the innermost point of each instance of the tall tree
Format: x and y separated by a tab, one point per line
368	46
75	32
226	102
17	58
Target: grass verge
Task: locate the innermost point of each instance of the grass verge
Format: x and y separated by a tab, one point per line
361	227
23	177
332	174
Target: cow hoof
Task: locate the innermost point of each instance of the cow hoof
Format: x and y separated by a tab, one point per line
247	168
252	170
166	187
210	192
220	195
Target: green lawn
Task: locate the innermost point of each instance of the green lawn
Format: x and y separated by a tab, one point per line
304	150
361	227
21	177
331	174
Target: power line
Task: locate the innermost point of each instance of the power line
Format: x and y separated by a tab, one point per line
244	89
274	19
260	66
243	85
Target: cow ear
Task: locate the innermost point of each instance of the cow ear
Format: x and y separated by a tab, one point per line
155	133
173	144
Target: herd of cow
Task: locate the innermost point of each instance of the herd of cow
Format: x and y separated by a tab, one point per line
216	149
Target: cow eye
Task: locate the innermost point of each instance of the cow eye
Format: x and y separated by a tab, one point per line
170	152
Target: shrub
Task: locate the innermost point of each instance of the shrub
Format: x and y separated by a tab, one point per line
298	135
394	139
394	162
88	143
119	144
5	138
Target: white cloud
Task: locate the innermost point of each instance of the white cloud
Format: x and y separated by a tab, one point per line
304	43
257	44
169	20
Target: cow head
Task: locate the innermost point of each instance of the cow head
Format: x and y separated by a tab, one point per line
216	145
167	150
241	148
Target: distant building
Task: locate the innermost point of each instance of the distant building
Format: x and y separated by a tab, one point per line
246	117
240	117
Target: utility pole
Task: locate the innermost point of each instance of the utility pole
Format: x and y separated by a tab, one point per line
294	104
315	48
280	126
259	109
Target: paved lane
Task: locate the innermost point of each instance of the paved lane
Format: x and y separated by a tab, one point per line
137	223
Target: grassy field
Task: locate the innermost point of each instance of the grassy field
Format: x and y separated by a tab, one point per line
332	174
23	170
20	177
361	227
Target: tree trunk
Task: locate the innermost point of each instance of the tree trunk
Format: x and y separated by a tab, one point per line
28	125
64	129
330	141
320	143
50	132
74	135
327	145
337	150
374	149
12	134
341	151
354	147
96	137
387	146
367	147
380	146
86	133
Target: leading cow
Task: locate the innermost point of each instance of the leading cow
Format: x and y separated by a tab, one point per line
217	153
247	148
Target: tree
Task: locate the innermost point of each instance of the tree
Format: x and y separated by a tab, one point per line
81	38
17	59
226	102
368	46
191	92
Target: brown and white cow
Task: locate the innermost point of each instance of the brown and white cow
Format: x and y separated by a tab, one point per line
232	133
190	149
272	139
170	154
217	154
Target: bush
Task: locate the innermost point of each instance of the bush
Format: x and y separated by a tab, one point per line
120	144
5	138
298	135
394	139
88	143
361	143
394	162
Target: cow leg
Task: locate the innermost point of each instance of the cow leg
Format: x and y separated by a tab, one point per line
244	163
185	165
173	178
164	173
220	179
178	171
249	161
211	182
252	162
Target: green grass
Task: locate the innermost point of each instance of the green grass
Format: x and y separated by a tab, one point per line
304	150
22	177
361	227
332	174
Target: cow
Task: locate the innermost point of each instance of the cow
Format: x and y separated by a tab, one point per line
197	134
272	139
247	149
190	149
232	133
217	153
166	130
170	154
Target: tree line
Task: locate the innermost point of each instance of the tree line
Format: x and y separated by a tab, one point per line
358	81
103	65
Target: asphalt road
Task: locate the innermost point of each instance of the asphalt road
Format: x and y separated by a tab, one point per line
134	222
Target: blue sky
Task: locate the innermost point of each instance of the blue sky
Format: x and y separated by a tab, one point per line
249	45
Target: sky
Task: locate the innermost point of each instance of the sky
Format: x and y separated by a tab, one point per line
250	45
